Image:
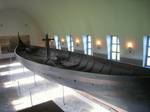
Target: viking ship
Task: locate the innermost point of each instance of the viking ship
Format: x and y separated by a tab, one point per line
124	85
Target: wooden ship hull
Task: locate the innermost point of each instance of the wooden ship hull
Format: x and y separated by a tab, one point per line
123	85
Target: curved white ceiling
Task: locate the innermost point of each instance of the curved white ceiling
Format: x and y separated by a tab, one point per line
83	16
33	8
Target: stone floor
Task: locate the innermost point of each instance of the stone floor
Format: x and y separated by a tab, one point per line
20	88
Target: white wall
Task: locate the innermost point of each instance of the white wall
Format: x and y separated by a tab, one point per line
13	21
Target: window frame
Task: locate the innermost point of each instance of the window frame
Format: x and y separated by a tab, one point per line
88	46
57	42
110	44
146	47
70	43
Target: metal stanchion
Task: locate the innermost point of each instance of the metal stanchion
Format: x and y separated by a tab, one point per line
19	89
31	99
10	62
63	95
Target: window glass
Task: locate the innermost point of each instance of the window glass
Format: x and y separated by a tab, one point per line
113	55
89	38
118	56
148	61
70	43
148	51
57	42
87	45
114	48
89	51
114	39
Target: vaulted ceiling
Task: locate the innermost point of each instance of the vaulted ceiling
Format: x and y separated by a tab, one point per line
82	14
